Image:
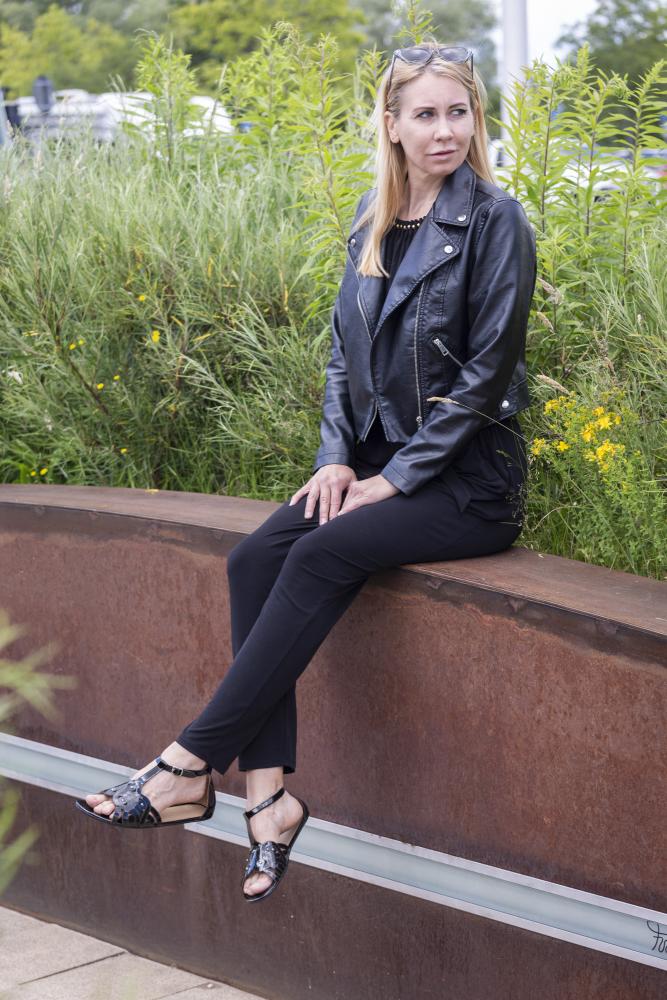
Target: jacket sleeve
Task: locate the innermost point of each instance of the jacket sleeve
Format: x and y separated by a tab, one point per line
501	284
337	432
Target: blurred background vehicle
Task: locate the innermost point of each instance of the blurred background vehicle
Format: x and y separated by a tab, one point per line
64	114
609	167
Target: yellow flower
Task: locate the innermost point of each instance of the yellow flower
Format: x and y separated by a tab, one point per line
588	432
43	472
604	421
116	377
538	445
617	419
155	336
589	455
80	341
606	452
123	450
142	298
551	404
72	347
100	385
562	446
598	411
33	472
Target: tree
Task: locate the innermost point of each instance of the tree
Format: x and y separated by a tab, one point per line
65	52
453	23
123	15
624	36
217	31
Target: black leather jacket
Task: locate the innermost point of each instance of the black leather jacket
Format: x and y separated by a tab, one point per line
466	282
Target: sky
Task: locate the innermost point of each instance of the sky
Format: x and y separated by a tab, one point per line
546	20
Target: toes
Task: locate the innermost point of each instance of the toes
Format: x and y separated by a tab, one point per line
257	883
105	808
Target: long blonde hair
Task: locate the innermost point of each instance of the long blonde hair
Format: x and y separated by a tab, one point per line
390	163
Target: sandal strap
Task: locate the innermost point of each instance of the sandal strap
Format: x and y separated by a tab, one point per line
269	857
183	771
267	802
132	783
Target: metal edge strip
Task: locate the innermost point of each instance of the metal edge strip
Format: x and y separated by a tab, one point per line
597	922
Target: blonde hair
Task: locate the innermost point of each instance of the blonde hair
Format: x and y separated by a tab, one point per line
390	163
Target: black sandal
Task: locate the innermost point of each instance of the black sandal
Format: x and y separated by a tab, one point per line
134	811
270	856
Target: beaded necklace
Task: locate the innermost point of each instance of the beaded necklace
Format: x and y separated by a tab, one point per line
409	223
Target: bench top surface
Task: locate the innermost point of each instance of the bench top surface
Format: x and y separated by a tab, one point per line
519	572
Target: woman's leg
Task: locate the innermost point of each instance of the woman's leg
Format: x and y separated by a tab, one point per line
263	553
252	567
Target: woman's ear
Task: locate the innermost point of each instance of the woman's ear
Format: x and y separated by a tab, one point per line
389	120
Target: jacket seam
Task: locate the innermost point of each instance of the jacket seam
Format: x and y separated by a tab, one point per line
485	216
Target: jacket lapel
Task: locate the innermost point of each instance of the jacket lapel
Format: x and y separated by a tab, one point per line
427	249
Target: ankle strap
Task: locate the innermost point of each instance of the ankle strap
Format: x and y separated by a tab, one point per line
266	802
183	771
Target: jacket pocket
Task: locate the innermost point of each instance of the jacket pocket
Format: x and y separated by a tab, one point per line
439	345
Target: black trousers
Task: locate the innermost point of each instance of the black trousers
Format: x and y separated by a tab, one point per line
292	579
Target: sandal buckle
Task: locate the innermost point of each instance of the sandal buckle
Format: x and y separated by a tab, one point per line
177	771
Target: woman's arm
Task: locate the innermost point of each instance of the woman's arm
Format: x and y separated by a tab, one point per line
502	282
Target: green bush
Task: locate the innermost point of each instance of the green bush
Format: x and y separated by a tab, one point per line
20	683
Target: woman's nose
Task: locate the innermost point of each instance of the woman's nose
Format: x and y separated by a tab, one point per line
443	130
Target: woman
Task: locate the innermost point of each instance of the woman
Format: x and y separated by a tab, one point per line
421	450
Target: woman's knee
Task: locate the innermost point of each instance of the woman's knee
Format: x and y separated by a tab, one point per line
260	550
246	556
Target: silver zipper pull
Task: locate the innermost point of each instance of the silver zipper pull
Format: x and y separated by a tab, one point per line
419	421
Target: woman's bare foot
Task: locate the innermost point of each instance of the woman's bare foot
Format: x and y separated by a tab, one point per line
275	822
163	789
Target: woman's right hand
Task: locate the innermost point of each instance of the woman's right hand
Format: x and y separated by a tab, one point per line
326	485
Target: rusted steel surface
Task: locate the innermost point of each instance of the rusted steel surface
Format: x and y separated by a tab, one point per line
509	710
620	598
176	898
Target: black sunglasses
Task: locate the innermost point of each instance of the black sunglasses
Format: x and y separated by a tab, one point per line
420	55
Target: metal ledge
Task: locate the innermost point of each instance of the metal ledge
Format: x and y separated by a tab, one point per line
596	922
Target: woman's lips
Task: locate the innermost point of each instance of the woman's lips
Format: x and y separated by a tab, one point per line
444	152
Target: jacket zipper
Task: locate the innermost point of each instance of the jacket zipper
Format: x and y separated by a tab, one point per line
368	331
419	401
361	310
446	351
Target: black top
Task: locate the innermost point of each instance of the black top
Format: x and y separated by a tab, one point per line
396	242
491	468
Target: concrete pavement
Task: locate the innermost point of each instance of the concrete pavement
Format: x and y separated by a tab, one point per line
43	961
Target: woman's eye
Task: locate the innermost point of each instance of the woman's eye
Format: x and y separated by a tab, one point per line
457	112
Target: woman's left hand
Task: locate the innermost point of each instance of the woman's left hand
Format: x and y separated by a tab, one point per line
363	491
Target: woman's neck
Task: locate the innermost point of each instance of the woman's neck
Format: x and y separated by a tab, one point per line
417	200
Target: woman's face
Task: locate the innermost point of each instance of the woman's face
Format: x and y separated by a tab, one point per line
434	126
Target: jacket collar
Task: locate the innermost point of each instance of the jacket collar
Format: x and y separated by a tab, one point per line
429	248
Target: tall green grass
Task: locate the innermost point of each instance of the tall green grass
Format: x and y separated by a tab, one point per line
165	304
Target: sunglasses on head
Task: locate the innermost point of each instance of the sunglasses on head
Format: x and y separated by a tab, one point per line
420	55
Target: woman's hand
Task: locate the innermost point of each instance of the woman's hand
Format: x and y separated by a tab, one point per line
369	490
327	485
